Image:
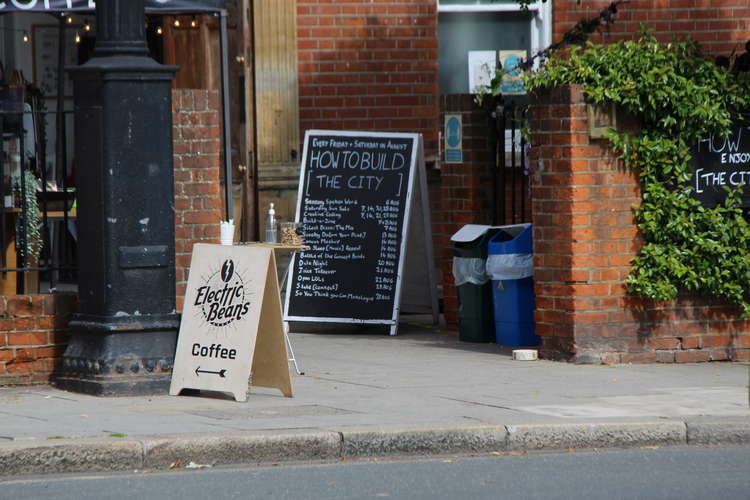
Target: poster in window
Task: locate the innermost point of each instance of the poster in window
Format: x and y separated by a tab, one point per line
509	61
481	69
44	48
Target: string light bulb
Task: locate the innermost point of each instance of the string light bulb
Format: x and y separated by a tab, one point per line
159	31
70	20
176	23
87	27
193	22
25	37
78	37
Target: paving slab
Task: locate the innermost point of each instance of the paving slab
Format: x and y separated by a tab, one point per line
423	390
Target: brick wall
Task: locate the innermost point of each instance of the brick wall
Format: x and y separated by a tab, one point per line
33	336
465	194
372	65
33	328
584	239
367	65
721	26
465	190
197	166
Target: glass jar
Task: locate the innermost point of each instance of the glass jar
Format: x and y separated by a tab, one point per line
290	233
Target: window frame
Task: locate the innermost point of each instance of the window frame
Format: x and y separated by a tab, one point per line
540	24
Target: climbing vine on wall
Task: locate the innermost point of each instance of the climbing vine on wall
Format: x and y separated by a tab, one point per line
679	95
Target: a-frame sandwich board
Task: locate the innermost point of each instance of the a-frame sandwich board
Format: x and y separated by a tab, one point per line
359	195
231	323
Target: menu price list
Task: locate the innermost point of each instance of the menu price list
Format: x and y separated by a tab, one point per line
386	216
346	238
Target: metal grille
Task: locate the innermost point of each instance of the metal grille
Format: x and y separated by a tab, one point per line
27	184
512	196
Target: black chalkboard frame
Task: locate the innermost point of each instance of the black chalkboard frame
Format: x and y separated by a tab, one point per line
416	181
719	163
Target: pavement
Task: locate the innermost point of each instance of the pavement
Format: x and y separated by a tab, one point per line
365	394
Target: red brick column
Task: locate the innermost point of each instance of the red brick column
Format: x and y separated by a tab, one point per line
197	165
584	239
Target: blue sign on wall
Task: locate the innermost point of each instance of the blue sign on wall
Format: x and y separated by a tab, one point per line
453	133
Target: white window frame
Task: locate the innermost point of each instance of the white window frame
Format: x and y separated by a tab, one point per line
540	24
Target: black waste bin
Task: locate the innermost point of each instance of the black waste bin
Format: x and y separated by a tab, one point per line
473	285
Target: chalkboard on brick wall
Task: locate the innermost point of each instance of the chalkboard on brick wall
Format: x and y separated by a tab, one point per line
722	161
355	202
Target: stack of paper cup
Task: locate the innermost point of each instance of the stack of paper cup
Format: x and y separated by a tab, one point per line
227	232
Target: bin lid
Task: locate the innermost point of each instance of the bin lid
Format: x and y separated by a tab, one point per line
515	229
470	232
511	239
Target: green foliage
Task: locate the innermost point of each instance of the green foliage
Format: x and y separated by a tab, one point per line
481	92
29	223
679	96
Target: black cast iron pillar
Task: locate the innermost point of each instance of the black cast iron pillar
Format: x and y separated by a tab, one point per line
124	335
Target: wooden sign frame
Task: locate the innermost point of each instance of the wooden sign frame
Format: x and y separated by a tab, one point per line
231	323
415	232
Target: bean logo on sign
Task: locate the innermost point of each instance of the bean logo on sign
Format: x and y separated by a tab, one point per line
223	298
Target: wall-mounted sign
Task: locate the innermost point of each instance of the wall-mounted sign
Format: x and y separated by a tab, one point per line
511	83
482	64
453	133
720	162
231	323
601	118
45	57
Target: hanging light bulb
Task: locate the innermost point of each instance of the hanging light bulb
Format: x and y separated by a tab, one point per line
87	26
78	37
193	22
159	31
70	20
25	37
176	23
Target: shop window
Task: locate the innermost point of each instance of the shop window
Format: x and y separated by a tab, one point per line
469	31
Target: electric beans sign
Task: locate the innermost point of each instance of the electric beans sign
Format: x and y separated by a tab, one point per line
223	298
231	303
721	162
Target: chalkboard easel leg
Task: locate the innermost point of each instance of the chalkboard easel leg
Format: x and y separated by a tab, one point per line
291	351
394	329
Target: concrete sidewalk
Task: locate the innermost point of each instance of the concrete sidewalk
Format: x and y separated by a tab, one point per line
367	394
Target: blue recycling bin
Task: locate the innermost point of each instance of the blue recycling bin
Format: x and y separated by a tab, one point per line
510	266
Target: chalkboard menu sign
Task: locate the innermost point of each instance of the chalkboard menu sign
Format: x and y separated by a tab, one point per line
354	200
722	161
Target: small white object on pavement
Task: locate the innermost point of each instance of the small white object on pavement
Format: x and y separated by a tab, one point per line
525	354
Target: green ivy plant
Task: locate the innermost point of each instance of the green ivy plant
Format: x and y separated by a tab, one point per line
30	222
679	95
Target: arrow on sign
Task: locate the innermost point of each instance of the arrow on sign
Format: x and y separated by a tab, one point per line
220	373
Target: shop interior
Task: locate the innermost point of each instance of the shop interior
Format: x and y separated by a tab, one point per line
38	232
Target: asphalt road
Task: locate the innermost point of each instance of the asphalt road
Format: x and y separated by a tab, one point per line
660	473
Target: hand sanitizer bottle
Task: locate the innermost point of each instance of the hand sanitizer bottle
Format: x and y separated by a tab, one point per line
271	225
